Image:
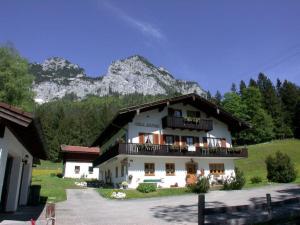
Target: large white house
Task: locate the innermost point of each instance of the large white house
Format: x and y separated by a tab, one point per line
169	142
20	142
78	162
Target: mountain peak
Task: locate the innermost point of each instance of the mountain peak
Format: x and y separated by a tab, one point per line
57	77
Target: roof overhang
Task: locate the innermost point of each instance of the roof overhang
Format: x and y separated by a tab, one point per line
126	115
25	127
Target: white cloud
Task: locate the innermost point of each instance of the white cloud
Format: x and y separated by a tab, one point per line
143	27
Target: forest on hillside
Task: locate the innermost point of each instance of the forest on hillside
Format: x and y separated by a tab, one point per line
273	110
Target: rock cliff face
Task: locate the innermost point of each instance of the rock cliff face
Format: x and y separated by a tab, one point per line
57	77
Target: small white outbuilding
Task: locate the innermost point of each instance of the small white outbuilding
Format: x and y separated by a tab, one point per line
78	161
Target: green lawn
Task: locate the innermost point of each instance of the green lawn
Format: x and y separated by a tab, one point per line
254	165
131	193
52	187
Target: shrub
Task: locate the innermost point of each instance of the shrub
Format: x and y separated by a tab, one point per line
59	175
280	168
256	180
146	187
235	182
201	186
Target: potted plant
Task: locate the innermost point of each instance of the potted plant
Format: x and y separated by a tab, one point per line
124	185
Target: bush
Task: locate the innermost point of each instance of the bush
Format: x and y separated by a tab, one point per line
280	168
201	186
235	182
146	187
59	175
256	180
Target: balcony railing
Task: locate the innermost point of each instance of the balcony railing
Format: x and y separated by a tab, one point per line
169	150
187	123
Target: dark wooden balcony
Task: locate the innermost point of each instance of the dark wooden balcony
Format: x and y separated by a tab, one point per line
187	123
169	150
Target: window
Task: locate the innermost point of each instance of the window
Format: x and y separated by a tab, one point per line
195	114
122	170
91	170
77	169
190	141
170	169
149	169
117	172
174	112
177	113
148	138
169	139
216	168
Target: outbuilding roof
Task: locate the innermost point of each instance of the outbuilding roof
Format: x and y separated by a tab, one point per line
126	115
80	149
25	127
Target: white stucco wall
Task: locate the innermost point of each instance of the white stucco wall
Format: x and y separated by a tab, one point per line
220	129
9	145
69	170
136	169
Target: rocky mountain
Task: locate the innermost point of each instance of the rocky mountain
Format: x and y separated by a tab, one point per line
57	77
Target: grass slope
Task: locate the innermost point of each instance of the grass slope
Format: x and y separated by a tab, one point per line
255	165
52	187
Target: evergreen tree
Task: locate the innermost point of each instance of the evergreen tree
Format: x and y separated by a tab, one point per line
252	83
289	95
262	124
218	98
242	86
271	103
233	88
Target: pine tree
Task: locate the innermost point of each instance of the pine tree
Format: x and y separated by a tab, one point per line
233	88
262	124
252	83
218	98
289	94
242	86
271	103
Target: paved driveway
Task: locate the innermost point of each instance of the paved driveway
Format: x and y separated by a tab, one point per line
86	206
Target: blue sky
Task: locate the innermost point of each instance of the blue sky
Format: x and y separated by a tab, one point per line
212	42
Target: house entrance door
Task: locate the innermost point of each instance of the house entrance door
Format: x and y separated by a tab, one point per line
191	171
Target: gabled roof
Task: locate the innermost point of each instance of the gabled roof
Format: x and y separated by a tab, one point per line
25	127
79	149
127	114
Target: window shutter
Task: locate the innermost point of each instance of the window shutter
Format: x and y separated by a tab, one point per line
196	141
155	139
223	143
162	139
141	138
